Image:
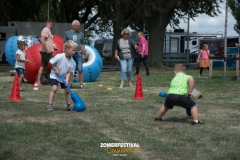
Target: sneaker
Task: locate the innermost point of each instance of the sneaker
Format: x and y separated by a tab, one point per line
158	119
196	123
135	74
121	86
69	108
81	86
147	74
130	85
49	108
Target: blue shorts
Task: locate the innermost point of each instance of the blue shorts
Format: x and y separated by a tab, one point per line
55	82
20	71
78	58
178	100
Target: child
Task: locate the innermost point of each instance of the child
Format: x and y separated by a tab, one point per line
62	65
179	94
204	55
20	62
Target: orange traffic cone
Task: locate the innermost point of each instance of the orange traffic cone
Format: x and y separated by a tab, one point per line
35	86
15	95
138	89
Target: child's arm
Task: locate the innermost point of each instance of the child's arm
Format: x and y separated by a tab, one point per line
190	85
21	60
67	77
55	69
199	56
208	53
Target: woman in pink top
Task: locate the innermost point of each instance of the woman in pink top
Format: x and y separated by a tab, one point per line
142	54
203	57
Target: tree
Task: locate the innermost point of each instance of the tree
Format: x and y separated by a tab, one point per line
158	14
22	10
235	8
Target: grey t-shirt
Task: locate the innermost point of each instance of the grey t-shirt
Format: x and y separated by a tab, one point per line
125	47
77	37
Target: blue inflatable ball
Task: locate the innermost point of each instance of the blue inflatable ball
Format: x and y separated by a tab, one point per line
188	111
162	94
10	50
79	107
92	68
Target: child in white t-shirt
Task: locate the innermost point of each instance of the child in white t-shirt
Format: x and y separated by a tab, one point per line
20	62
62	65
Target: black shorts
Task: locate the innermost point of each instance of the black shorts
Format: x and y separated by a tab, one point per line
55	82
45	57
178	100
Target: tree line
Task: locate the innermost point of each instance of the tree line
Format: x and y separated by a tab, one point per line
108	16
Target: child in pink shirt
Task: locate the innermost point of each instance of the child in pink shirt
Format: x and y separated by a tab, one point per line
203	57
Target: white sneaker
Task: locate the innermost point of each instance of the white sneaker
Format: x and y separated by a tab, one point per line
121	86
130	85
81	86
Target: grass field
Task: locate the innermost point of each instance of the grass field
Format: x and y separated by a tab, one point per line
28	131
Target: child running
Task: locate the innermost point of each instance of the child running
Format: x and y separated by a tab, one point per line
20	62
62	65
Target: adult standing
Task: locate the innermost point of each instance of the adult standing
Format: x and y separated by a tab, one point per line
77	36
47	48
142	54
125	53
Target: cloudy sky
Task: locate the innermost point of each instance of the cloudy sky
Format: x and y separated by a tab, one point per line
206	24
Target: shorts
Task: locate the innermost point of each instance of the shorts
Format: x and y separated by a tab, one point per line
78	58
20	71
178	100
55	82
45	58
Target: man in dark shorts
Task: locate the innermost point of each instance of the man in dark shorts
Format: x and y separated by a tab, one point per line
46	49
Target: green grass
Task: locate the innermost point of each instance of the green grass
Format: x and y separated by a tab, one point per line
28	131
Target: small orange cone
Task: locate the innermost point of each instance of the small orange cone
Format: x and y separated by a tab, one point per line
15	95
35	87
138	90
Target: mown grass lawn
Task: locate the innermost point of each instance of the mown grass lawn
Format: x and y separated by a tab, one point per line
28	131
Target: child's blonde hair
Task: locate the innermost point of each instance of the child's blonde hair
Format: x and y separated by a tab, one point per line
69	44
21	43
180	68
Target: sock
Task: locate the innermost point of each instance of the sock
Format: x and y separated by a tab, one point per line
50	104
68	105
195	121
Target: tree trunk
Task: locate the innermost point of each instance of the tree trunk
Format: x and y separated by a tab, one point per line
157	24
119	23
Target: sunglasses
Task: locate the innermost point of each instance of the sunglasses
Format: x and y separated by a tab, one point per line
125	34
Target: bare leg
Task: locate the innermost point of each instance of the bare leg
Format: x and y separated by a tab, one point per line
70	79
122	82
67	96
161	112
80	77
20	79
39	75
52	93
194	112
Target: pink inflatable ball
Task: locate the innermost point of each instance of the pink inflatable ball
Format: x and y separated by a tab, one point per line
33	55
